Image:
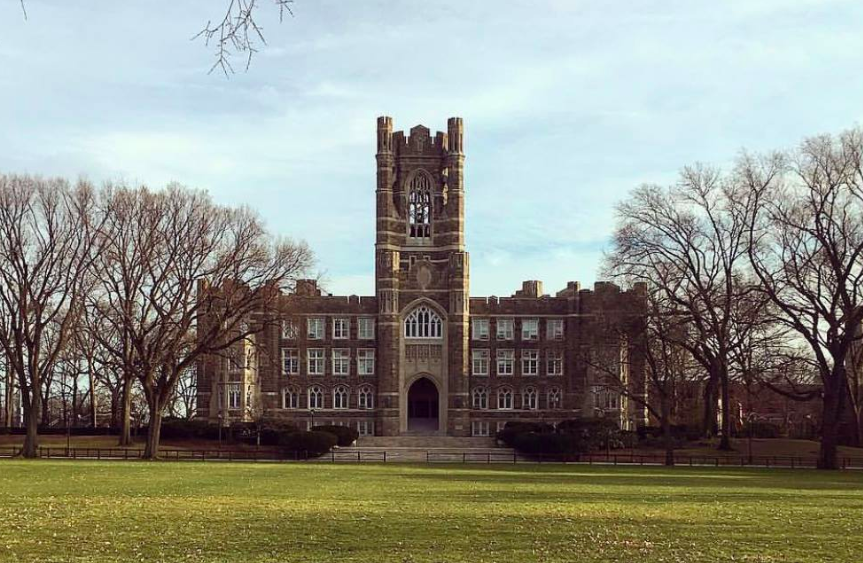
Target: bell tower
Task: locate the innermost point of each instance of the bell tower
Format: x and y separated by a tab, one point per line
420	261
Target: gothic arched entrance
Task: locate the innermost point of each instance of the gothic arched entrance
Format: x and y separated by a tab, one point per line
423	400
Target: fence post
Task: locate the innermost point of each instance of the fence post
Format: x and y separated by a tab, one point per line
464	457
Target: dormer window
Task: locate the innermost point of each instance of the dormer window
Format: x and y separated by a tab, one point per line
419	206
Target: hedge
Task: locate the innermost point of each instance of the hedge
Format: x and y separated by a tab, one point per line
514	428
312	444
181	429
549	444
344	434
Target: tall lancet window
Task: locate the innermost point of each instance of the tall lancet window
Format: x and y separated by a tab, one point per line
419	206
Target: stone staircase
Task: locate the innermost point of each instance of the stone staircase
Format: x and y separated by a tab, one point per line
424	449
426	441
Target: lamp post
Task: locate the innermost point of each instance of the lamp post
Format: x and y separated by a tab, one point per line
312	413
220	428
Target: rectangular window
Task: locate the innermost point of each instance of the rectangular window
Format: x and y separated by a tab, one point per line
289	329
315	360
479	428
554	329
530	362
480	329
504	329
234	396
315	328
605	398
341	328
366	427
505	362
479	362
530	329
290	361
554	362
366	362
341	361
366	328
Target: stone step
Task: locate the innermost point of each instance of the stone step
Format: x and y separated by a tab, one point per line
420	441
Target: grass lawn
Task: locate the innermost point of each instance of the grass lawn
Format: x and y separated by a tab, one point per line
134	511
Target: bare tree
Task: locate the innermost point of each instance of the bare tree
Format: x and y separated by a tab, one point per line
180	277
45	243
653	350
689	242
806	239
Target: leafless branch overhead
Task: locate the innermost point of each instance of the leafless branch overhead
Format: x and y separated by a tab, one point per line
238	31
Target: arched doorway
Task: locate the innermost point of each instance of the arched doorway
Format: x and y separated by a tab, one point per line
423	406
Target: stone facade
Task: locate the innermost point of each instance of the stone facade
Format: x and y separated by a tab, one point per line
422	356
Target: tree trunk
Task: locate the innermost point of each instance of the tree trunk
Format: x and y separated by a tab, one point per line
94	419
9	400
831	418
665	422
31	422
126	415
725	430
151	451
115	408
708	423
46	412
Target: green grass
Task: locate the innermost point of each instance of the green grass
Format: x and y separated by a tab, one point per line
116	511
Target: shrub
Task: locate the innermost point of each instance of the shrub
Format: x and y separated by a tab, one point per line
344	434
595	432
514	428
180	429
760	429
273	436
532	443
311	444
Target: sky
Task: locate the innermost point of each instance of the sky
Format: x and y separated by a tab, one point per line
567	105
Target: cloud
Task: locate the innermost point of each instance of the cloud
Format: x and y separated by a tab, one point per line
567	106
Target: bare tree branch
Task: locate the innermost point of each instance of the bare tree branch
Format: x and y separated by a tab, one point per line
238	32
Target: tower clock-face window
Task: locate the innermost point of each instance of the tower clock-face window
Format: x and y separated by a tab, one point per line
419	206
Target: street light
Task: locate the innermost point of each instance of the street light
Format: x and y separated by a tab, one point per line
312	413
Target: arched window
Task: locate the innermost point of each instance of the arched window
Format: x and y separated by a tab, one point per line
528	399
290	399
423	322
316	397
554	401
340	397
504	398
419	205
366	398
480	398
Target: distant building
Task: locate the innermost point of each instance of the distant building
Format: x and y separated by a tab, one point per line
422	356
